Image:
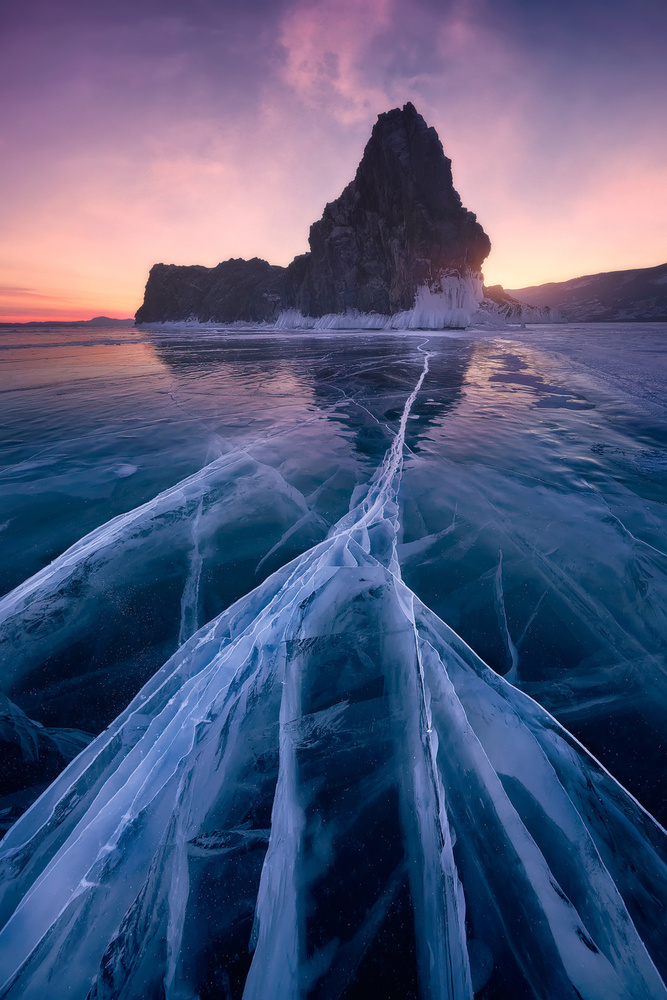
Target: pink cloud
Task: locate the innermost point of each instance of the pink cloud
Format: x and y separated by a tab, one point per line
324	45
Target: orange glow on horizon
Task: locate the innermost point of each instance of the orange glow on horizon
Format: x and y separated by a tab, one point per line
54	315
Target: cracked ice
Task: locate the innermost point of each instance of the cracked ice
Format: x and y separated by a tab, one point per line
325	792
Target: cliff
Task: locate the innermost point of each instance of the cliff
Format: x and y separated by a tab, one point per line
398	226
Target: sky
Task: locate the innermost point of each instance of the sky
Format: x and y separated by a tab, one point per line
191	131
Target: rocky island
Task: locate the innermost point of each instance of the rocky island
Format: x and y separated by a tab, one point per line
397	237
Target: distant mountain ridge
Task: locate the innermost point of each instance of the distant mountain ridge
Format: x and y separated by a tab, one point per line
635	295
398	227
95	321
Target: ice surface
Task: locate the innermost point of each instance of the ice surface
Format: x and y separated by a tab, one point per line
32	755
325	792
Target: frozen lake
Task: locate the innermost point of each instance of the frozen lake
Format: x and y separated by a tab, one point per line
149	479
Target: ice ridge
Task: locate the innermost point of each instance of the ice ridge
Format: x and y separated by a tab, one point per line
322	771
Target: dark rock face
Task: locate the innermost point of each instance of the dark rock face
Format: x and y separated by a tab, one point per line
234	290
398	225
636	295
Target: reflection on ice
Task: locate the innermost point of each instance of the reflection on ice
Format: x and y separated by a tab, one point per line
324	792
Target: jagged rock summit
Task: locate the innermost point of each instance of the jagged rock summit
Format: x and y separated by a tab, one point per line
398	227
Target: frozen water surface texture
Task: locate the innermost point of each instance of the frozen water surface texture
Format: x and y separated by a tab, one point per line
333	664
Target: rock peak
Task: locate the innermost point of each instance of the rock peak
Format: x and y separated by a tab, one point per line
398	226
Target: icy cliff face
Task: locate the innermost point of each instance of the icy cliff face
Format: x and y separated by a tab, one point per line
326	793
398	227
452	302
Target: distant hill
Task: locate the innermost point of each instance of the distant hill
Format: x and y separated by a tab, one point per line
636	295
96	321
106	321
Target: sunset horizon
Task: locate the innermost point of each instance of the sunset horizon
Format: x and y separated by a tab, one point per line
83	313
134	134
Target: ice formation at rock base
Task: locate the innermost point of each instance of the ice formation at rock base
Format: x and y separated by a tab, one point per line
454	302
325	793
448	304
